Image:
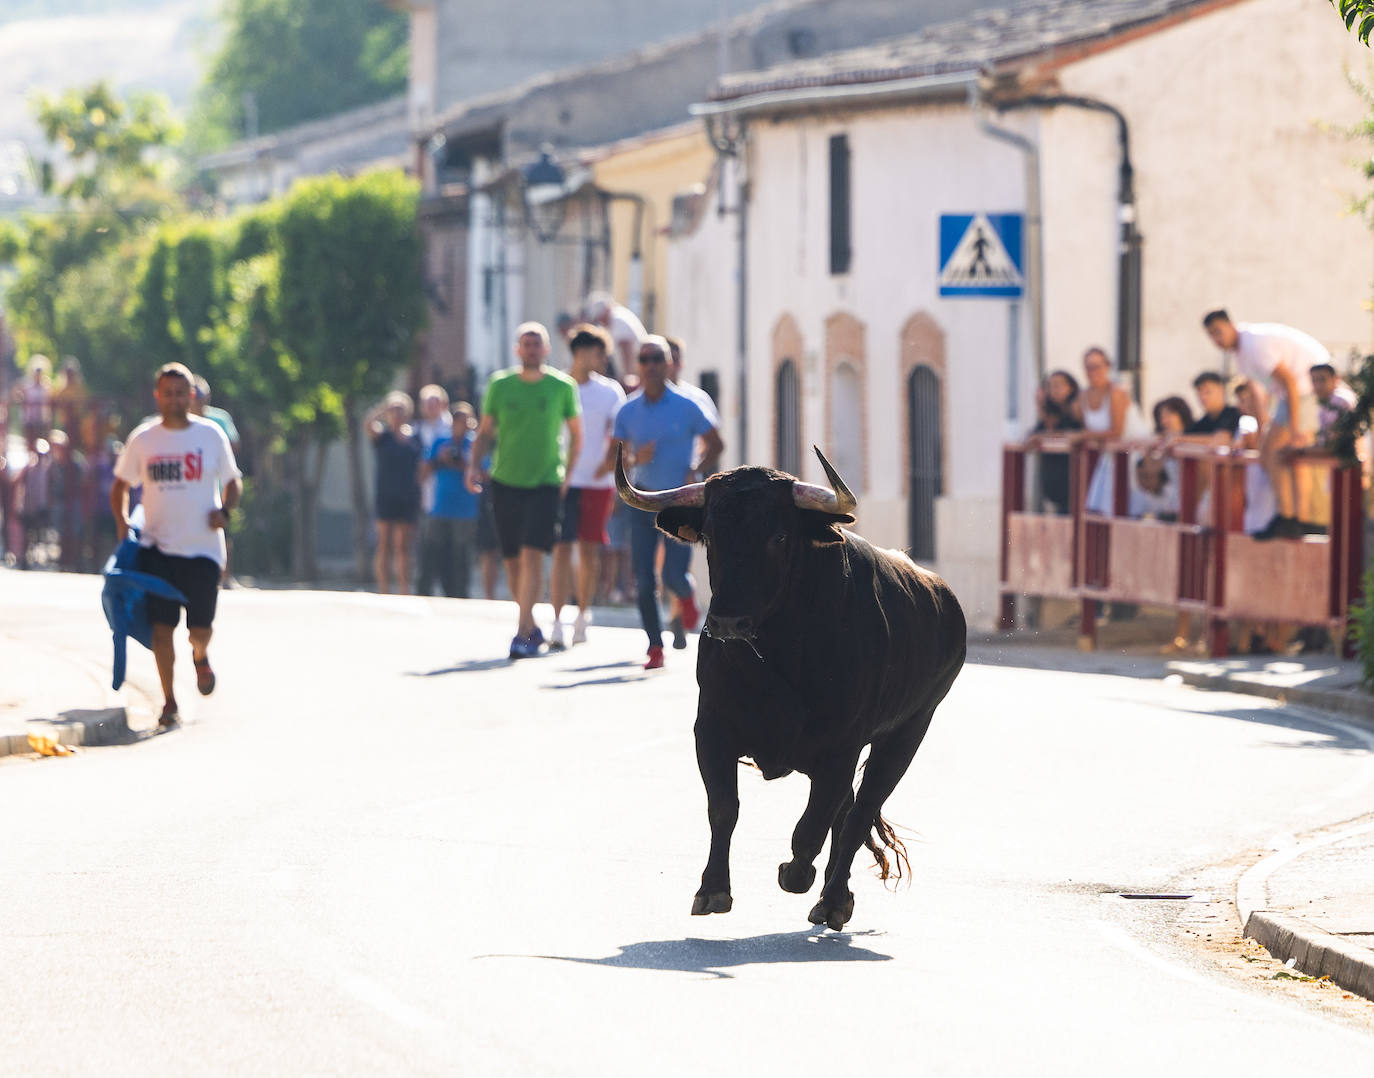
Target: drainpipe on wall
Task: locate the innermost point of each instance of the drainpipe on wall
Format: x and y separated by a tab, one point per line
1035	248
1129	272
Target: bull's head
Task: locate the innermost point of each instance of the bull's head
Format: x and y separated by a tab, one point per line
759	526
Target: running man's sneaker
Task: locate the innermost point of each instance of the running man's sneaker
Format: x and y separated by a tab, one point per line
169	716
679	633
691	616
537	637
205	677
556	641
584	618
655	659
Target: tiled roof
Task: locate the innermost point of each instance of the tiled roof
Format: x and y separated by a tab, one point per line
982	39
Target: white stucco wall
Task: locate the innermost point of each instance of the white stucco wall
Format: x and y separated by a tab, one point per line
908	166
1243	178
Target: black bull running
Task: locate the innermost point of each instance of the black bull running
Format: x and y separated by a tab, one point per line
817	644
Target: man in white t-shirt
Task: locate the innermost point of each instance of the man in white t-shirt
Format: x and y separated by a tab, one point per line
590	496
622	324
180	461
1279	357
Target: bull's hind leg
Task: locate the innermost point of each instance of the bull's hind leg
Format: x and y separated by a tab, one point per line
887	763
720	774
831	796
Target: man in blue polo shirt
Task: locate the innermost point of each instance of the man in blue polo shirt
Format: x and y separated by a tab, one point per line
659	427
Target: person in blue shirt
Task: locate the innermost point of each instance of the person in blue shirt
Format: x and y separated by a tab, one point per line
659	428
451	531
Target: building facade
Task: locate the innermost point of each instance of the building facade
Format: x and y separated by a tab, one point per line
1237	195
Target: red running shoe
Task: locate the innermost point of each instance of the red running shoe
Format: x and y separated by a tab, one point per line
691	616
655	659
205	677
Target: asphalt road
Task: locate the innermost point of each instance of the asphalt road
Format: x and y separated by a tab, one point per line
380	848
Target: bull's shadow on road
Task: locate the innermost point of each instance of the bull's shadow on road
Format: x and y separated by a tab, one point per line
715	957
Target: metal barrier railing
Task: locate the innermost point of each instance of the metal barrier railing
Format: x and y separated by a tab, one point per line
1209	567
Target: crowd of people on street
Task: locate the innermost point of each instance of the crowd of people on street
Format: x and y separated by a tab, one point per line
56	468
1278	393
532	478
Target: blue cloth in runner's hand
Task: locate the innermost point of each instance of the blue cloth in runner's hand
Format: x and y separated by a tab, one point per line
125	600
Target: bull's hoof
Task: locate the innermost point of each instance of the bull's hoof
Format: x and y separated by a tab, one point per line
715	902
835	917
796	878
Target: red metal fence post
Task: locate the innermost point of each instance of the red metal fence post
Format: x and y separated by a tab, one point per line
1013	501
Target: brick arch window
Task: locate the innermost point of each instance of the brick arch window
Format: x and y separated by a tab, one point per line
846	367
925	427
787	408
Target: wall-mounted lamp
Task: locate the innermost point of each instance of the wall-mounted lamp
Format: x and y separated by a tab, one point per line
545	196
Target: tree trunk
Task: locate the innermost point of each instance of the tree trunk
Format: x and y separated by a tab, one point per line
310	496
300	532
354	434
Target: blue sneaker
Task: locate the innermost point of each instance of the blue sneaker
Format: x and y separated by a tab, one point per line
524	647
536	637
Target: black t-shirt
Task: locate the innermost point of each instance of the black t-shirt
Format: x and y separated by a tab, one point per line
1228	419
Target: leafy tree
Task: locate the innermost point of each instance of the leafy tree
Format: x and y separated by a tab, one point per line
352	300
1358	16
111	191
289	61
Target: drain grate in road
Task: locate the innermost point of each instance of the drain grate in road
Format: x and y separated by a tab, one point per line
1158	896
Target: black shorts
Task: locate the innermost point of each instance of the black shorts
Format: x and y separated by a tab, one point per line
195	578
525	517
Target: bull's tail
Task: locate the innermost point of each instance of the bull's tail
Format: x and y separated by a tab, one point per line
879	841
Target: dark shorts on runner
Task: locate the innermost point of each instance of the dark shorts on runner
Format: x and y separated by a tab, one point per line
525	517
195	578
585	513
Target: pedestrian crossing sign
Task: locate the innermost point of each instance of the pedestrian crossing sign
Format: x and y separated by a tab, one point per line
981	254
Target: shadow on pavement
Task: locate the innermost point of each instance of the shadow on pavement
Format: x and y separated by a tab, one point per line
714	957
468	666
620	679
1326	735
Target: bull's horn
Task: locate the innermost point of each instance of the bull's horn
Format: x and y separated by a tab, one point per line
693	494
837	499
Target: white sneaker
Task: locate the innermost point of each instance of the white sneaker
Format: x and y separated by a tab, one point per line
556	642
584	618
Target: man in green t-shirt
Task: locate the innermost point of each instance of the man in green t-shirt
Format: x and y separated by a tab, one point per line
524	411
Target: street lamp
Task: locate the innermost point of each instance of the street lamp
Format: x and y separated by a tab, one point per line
545	196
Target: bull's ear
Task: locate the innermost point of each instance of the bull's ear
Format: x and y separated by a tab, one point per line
681	522
823	529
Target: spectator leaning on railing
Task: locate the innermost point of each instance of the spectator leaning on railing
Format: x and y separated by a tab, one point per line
1282	357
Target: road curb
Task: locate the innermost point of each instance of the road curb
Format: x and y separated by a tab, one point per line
1313	951
1358	706
103	726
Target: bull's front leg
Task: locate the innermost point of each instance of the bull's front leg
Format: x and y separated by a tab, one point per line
719	767
831	797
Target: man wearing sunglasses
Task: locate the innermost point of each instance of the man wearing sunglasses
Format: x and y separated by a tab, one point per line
659	427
